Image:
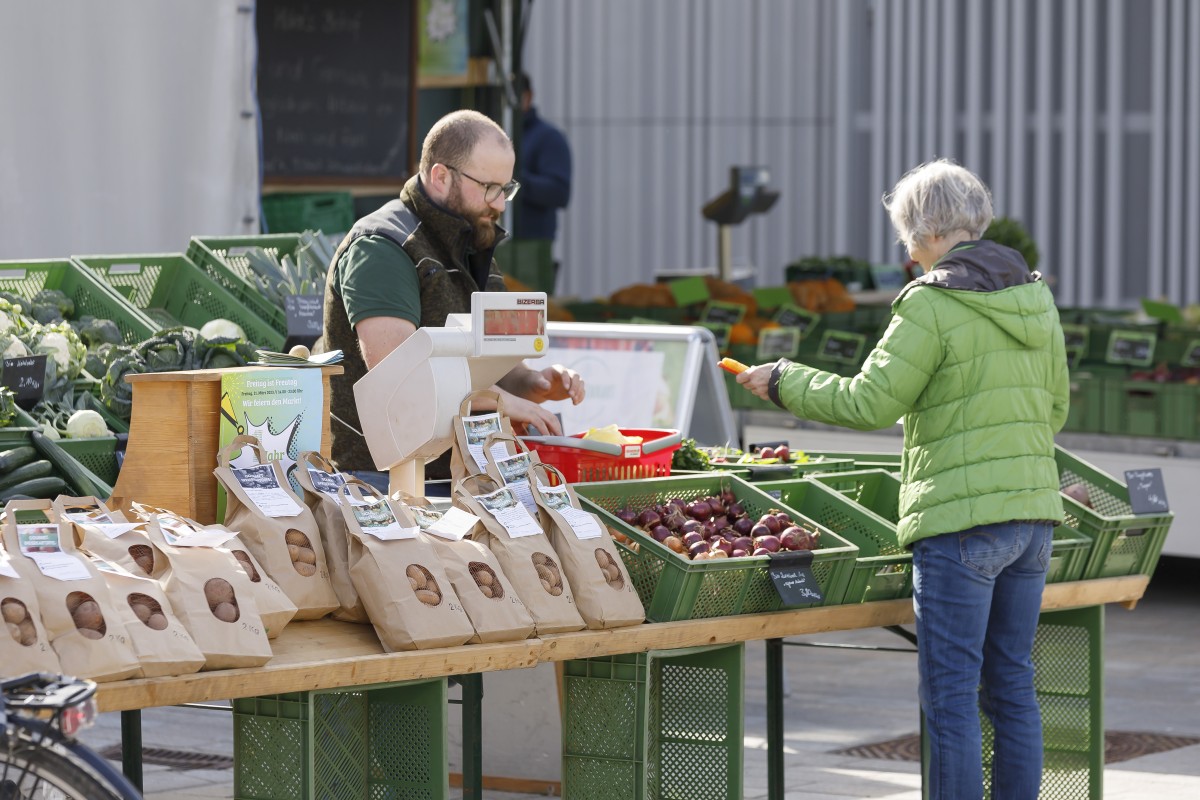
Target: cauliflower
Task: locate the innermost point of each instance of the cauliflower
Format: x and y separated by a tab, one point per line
86	424
12	318
222	330
60	342
11	346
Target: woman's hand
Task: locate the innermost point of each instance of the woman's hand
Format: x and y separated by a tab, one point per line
525	413
552	383
756	379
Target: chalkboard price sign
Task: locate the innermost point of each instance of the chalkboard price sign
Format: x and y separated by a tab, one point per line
720	331
790	316
304	318
1147	493
26	377
793	577
841	346
337	89
724	313
774	343
1131	347
1191	356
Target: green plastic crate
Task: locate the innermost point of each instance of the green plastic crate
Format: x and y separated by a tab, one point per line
387	740
1069	554
661	724
223	259
1068	657
529	261
173	291
89	294
883	569
1088	397
17	434
98	455
1122	543
296	212
757	473
672	587
1146	408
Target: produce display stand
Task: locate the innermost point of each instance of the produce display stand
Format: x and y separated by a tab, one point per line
325	654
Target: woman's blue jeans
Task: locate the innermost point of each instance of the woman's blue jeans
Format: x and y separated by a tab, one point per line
977	596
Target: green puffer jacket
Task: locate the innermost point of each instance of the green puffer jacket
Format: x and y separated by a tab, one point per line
974	361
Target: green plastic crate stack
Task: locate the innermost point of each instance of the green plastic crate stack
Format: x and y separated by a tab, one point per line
757	473
889	462
673	587
661	724
882	569
1068	659
293	212
1122	543
172	291
98	455
91	295
387	740
1148	408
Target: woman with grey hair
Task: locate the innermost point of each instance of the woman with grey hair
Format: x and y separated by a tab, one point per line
974	363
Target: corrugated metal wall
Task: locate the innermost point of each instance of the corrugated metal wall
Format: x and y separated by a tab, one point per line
1083	116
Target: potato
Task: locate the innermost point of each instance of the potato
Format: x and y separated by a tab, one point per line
294	536
226	612
299	351
612	574
29	634
307	556
75	598
142	610
143	556
428	598
88	615
294	552
14	630
555	590
485	590
482	573
602	557
218	591
547	585
546	574
307	570
13	611
91	633
540	559
247	565
157	621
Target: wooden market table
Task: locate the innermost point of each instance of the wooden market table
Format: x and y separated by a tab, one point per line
324	654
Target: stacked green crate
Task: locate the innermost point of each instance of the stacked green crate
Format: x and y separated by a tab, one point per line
661	724
296	212
223	258
387	740
172	291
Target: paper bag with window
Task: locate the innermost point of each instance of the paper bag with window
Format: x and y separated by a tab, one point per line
471	429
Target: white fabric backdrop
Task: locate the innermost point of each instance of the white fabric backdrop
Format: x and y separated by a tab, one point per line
122	125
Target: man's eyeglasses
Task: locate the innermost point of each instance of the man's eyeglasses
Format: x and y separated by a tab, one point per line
492	191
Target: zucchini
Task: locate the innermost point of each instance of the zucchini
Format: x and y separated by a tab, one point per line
41	488
36	469
16	457
65	465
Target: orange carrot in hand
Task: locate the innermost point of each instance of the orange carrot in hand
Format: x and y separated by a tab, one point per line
730	365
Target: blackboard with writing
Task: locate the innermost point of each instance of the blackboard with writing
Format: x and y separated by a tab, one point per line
1191	356
790	316
1147	493
305	314
337	89
26	377
1131	347
841	346
793	577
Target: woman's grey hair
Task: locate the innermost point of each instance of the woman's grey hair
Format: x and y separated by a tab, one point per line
452	139
937	199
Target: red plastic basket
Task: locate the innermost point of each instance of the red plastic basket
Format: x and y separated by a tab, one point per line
582	459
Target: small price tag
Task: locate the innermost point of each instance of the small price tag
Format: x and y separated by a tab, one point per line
793	578
1131	347
775	343
790	316
26	377
1147	493
841	346
305	319
723	313
1191	356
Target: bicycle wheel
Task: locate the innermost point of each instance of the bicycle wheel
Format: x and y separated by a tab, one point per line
37	765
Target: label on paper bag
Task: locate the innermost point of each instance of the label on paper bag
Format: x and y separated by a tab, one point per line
378	520
510	512
213	537
112	529
264	491
89	518
453	526
40	543
478	429
583	524
330	484
515	472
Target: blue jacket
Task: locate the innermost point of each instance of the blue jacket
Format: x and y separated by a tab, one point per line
545	176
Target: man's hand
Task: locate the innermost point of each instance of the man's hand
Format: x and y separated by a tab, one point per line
552	383
756	380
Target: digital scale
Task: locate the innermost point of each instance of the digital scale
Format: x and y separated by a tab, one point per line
408	401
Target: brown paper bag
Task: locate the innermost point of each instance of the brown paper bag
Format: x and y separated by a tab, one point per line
321	482
604	592
24	644
214	600
278	529
274	606
109	535
82	623
471	431
492	604
399	577
161	642
528	558
514	468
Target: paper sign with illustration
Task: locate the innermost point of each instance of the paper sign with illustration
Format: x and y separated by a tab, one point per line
40	543
583	524
330	484
515	472
510	512
265	492
478	429
454	525
378	520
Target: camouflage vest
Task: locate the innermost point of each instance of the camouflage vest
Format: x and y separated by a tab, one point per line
437	241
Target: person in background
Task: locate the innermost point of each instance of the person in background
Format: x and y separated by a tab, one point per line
544	170
974	362
418	259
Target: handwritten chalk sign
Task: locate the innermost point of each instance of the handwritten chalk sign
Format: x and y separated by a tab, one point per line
26	377
775	343
305	318
1191	356
1131	347
1147	493
720	332
726	313
842	347
790	316
793	577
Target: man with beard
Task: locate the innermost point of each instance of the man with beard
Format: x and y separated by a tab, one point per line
418	259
